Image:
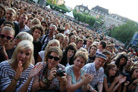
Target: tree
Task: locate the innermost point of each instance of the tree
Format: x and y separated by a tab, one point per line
125	32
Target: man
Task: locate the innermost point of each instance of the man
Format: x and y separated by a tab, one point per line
79	43
23	19
47	37
101	47
88	43
92	53
96	69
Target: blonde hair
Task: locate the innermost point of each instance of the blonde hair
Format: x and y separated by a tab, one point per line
82	54
23	45
11	9
59	35
25	36
51	42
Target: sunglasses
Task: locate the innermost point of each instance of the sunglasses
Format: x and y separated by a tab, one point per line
8	37
55	58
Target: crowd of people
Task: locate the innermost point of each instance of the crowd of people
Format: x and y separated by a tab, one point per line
41	51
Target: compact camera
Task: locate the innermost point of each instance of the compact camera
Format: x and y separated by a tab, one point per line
60	73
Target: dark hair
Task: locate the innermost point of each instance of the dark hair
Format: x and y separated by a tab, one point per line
110	66
103	44
37	27
118	61
64	59
1	6
8	23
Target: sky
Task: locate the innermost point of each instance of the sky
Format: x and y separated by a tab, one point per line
124	8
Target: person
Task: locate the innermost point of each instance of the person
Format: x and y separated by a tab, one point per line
101	47
77	80
96	69
14	72
111	81
46	38
88	43
49	79
6	36
79	43
92	53
2	14
68	55
37	32
41	54
132	77
120	62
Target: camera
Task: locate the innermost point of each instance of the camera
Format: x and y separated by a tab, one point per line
60	73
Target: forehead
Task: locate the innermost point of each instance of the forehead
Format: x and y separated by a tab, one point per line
100	59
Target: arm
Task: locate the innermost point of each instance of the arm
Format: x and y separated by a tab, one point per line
12	85
133	85
111	87
125	85
100	87
81	84
33	73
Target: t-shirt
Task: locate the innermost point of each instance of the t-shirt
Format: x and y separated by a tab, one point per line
7	73
69	71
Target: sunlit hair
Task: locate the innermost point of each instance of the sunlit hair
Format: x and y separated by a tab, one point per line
52	25
11	9
59	36
54	41
24	36
81	54
36	21
23	45
54	49
7	28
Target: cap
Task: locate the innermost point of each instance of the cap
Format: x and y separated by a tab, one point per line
98	55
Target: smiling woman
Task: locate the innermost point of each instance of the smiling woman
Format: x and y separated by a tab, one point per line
14	72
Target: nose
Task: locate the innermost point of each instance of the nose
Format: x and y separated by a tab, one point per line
23	55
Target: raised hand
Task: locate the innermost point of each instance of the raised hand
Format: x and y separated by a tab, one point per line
87	78
122	80
35	70
126	83
19	70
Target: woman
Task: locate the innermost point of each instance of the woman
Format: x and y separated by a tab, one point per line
120	62
77	81
41	54
48	79
14	72
132	77
68	55
6	36
112	82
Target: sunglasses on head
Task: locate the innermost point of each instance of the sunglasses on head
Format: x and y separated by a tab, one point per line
55	58
3	36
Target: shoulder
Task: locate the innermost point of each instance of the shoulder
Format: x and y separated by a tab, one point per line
4	63
89	65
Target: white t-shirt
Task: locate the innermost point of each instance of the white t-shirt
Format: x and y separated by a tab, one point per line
42	55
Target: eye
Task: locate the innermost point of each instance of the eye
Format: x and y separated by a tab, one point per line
21	52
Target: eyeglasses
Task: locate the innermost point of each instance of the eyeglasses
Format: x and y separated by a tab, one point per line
55	58
3	36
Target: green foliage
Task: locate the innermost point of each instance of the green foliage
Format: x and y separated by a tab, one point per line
60	8
84	18
125	32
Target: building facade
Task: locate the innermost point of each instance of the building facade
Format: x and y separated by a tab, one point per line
82	9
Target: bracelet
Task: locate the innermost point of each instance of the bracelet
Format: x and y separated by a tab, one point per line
15	79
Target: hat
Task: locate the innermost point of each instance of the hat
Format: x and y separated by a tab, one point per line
98	55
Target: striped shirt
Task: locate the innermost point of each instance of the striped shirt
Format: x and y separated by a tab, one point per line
7	73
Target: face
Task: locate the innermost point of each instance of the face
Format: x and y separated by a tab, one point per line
99	62
93	50
61	40
70	53
89	42
23	56
5	37
1	13
36	34
53	60
23	19
135	73
122	61
51	31
99	45
9	15
79	62
112	71
72	39
79	44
